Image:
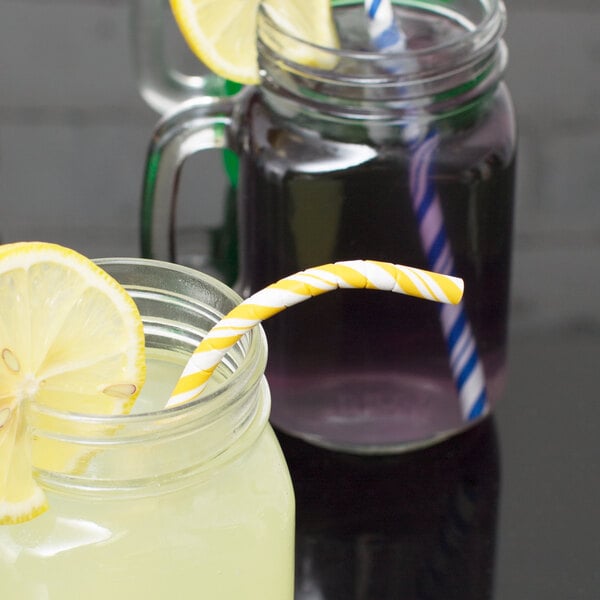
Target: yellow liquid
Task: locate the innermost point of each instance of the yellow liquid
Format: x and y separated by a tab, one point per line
227	536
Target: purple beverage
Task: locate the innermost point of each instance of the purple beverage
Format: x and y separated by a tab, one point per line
361	367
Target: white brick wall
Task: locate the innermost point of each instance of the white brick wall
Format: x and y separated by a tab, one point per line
554	74
73	135
73	130
65	55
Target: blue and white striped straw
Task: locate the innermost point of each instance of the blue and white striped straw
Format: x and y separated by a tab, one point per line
464	357
465	364
383	31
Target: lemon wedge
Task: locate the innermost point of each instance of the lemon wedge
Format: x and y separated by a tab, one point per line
222	33
71	339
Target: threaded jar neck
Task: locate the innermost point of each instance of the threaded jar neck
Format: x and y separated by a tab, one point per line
454	54
153	448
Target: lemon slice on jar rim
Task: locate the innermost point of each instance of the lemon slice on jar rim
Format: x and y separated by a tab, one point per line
72	340
222	33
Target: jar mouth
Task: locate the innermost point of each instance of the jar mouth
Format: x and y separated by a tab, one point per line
447	45
473	33
153	448
245	362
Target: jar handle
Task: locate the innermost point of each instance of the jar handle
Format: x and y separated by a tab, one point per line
189	130
161	86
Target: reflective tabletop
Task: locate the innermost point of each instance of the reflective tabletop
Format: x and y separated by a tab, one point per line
508	510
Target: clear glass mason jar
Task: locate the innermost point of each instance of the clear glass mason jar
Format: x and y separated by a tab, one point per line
190	502
406	157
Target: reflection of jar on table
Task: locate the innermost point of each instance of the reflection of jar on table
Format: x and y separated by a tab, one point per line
419	526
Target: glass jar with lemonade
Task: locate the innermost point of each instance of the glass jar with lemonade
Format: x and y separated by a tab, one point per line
136	501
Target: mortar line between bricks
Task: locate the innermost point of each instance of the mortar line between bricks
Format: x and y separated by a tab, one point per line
114	115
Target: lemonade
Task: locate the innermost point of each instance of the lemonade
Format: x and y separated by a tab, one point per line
191	502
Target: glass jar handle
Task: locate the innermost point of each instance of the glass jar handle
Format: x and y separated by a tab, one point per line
162	87
192	128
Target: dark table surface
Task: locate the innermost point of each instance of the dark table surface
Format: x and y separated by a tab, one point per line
508	511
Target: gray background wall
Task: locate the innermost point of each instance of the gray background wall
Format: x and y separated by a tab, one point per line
73	134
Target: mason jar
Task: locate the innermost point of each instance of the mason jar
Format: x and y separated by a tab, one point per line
193	501
404	156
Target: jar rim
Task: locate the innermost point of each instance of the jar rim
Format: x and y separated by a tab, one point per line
251	367
490	27
452	58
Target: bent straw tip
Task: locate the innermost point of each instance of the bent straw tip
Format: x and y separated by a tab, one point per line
456	293
447	289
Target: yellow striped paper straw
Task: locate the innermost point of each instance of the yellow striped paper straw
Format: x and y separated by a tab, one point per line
359	274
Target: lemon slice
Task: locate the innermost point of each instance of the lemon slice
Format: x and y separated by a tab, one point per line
222	33
71	339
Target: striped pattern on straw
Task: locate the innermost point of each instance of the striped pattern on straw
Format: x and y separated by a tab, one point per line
358	274
383	31
466	366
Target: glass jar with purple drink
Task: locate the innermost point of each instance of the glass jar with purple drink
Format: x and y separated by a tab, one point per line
406	156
